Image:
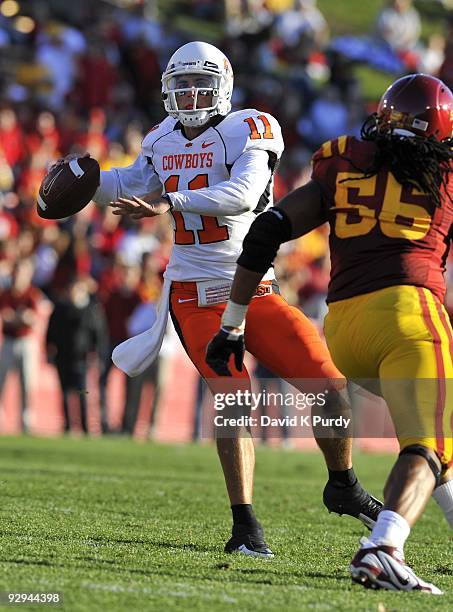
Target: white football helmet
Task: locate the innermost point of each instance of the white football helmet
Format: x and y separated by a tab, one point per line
199	59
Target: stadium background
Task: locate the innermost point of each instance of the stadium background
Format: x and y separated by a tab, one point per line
86	77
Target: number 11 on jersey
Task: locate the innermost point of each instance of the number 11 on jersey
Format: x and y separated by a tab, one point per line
211	231
254	133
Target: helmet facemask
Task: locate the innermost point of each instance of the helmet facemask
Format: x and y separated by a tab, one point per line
204	70
175	89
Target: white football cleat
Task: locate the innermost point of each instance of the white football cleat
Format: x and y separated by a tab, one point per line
383	567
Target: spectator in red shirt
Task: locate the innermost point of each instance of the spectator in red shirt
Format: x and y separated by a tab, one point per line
119	306
45	136
11	138
94	139
18	306
97	77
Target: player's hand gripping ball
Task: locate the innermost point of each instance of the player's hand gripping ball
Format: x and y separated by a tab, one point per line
68	187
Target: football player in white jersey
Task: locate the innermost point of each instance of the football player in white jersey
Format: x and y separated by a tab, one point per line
215	170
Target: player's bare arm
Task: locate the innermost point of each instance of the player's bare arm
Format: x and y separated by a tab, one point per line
304	209
297	214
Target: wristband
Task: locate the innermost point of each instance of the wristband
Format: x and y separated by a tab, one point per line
234	315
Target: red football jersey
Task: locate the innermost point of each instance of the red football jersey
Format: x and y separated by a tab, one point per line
28	300
382	233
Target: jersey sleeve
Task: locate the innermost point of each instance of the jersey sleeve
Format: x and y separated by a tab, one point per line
251	130
253	145
137	179
140	177
320	164
249	178
324	166
156	133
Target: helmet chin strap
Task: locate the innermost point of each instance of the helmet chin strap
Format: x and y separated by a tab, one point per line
194	120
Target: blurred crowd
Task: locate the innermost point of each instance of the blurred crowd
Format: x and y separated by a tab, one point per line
86	77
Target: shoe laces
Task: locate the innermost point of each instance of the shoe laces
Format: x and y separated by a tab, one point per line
372	505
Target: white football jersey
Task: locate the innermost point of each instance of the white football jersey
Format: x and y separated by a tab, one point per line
218	183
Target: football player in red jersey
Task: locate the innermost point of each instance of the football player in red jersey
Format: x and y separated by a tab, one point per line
389	201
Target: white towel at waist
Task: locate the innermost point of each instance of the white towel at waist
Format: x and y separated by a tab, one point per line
134	355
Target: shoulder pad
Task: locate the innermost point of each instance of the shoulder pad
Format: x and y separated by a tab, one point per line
160	129
331	148
250	129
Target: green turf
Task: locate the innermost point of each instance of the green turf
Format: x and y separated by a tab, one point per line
117	525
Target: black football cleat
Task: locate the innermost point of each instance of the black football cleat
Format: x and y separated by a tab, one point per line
353	500
248	541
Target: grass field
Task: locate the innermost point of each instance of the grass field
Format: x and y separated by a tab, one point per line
116	525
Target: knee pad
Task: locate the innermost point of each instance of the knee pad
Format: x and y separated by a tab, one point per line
422	451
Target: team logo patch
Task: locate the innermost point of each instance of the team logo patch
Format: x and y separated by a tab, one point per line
263	290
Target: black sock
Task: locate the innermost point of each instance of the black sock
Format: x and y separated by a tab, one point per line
342	478
243	515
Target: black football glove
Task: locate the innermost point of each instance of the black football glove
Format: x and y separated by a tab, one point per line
220	349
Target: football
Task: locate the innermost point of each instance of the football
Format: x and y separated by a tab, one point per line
68	187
